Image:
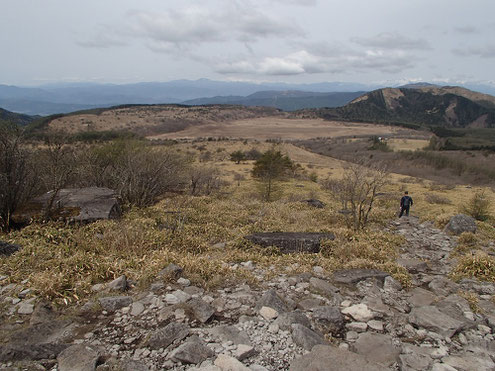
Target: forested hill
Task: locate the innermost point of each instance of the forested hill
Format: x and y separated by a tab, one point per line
450	107
15	118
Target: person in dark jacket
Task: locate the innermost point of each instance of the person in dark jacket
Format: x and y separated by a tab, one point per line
405	203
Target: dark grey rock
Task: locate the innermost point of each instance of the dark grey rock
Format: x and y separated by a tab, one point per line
315	203
322	286
7	249
329	320
200	310
310	303
118	284
454	306
113	364
413	265
165	336
461	223
286	320
421	297
353	276
192	352
113	303
291	242
377	348
430	318
271	299
172	271
443	286
13	352
329	358
230	333
306	338
79	357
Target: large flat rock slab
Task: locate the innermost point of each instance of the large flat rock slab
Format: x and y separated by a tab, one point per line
328	358
353	276
291	242
74	204
430	318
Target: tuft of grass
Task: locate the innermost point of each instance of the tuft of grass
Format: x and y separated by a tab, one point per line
478	265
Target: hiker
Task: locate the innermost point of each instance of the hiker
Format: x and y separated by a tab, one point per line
405	203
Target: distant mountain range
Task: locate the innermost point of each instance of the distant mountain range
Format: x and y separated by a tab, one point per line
419	106
64	98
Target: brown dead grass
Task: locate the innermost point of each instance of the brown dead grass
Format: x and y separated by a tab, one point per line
263	128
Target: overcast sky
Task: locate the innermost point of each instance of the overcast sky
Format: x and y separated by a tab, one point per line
369	41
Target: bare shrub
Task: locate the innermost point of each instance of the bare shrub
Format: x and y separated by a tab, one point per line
358	191
204	180
433	198
139	173
17	178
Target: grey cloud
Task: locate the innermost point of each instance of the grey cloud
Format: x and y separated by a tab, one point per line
298	2
487	51
201	25
388	40
105	37
466	29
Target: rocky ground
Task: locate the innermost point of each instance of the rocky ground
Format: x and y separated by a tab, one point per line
348	320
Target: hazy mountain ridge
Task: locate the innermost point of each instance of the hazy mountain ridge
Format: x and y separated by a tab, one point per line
285	100
62	98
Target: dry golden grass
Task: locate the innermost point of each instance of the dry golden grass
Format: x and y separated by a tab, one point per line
263	128
63	262
397	144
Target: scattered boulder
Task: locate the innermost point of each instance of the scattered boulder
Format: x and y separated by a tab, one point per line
272	300
113	303
118	284
430	318
79	357
227	363
305	337
230	333
377	348
291	242
315	203
7	249
170	271
461	223
194	351
167	335
329	358
359	312
201	310
329	320
286	320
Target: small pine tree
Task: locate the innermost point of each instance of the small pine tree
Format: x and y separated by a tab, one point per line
478	206
269	168
237	156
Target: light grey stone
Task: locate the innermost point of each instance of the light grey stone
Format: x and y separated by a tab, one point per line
359	312
227	363
79	357
328	358
377	348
